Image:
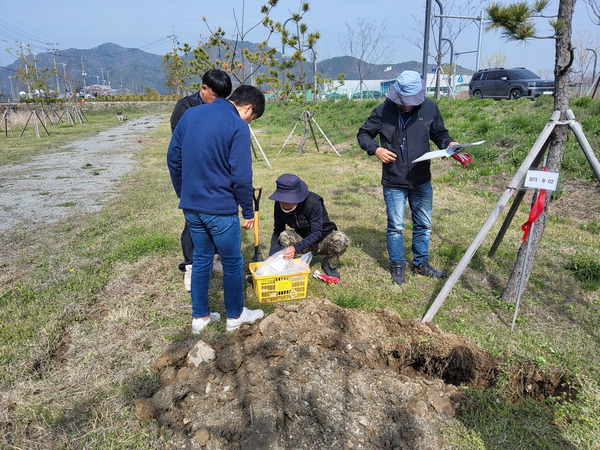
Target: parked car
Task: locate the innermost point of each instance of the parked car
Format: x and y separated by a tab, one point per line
509	83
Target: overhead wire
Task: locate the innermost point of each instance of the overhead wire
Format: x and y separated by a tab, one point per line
17	35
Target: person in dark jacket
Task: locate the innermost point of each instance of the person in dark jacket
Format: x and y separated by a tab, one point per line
215	84
405	123
310	228
210	164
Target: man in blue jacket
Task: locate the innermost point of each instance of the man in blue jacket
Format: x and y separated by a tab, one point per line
405	123
210	164
215	84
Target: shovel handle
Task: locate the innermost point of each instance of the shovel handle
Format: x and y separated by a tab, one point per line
256	197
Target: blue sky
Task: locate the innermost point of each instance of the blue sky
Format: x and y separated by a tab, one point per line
149	24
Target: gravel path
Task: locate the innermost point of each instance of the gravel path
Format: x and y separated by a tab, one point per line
78	180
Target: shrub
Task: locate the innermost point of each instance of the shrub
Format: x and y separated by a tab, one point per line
583	102
586	270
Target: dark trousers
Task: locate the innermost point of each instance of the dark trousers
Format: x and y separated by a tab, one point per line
187	246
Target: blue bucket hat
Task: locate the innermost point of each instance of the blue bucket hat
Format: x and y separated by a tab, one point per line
408	89
290	189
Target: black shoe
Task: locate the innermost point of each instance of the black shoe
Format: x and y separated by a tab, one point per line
426	270
329	271
397	271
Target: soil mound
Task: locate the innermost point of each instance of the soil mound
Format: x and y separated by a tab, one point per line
315	375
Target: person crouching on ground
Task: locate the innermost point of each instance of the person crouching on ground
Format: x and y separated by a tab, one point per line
311	230
210	164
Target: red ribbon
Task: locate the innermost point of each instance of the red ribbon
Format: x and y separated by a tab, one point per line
536	210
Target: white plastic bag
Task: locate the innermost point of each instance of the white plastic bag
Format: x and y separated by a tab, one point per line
273	265
307	258
276	264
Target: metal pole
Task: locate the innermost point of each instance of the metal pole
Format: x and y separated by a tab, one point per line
451	62
283	28
479	40
65	77
83	74
12	93
424	69
583	142
513	185
595	58
522	281
525	260
439	53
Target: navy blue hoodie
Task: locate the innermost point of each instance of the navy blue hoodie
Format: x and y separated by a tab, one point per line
210	160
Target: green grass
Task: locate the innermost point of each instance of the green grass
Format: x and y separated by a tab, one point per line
91	303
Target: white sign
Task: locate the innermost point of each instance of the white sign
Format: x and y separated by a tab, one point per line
538	179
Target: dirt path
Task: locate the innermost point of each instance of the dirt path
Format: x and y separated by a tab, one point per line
75	181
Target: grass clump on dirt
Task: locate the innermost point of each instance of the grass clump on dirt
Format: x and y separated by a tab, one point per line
88	304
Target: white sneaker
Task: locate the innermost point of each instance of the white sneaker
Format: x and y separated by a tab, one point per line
187	278
247	316
198	323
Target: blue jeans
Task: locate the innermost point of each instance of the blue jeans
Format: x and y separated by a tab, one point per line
420	200
208	232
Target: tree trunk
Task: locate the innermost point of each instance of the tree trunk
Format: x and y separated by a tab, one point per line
305	135
558	140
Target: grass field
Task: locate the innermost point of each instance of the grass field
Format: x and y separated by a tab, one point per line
88	305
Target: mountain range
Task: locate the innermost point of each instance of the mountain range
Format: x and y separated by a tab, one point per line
133	70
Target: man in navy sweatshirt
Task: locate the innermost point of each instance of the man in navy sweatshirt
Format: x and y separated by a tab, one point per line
210	164
215	83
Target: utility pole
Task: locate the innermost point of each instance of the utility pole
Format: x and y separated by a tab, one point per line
424	68
65	78
83	74
595	58
174	39
26	71
314	52
439	53
12	93
53	50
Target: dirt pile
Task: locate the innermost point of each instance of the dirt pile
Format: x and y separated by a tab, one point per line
315	375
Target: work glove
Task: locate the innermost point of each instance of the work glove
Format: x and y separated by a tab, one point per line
463	158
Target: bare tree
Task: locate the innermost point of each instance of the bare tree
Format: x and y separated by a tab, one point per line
445	28
34	77
233	57
498	59
516	21
584	58
593	9
367	43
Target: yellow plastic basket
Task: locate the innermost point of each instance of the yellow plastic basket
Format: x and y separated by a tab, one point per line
279	288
